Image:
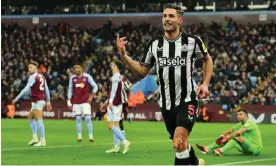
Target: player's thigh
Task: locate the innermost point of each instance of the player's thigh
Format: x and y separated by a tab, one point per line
86	108
251	148
186	115
169	117
37	109
118	112
31	114
77	109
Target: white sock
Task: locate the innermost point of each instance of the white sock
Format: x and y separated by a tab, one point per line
35	136
79	136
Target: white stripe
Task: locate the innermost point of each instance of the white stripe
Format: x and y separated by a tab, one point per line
177	72
248	161
95	144
166	76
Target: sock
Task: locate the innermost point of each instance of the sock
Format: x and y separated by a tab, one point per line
194	159
182	158
231	144
41	129
78	123
116	130
121	124
33	127
116	141
89	126
212	146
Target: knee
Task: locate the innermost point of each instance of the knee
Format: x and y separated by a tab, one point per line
78	119
180	140
110	126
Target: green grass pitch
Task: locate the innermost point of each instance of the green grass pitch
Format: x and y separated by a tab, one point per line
150	144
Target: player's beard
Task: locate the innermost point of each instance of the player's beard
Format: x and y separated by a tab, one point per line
170	30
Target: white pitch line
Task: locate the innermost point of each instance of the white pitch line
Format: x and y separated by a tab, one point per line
94	144
248	161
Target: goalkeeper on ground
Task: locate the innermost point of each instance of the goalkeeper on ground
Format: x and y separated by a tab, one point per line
244	136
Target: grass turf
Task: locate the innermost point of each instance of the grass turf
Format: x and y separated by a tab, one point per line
150	144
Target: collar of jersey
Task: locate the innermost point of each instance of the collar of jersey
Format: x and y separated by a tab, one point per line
173	39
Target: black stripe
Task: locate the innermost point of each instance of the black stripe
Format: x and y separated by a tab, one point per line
171	74
193	94
160	73
184	40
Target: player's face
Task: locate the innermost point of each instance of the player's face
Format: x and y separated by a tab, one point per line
241	116
113	66
77	70
171	20
32	68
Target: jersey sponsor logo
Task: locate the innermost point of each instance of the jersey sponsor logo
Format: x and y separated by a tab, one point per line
178	61
80	85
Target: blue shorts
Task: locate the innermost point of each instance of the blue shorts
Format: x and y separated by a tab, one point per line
39	105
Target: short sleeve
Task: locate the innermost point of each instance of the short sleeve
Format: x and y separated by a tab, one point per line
148	59
237	126
200	48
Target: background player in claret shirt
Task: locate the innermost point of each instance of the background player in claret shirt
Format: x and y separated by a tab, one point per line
39	89
79	99
244	136
114	108
174	55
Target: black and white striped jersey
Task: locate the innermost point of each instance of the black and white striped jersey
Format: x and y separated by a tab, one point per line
174	61
125	89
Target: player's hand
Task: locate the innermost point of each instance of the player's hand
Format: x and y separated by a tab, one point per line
49	107
13	102
121	44
203	91
225	139
90	99
219	140
103	107
69	104
110	105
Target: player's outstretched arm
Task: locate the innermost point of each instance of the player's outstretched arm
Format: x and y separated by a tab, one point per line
93	84
139	69
27	88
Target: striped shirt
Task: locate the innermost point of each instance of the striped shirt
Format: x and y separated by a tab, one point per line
174	61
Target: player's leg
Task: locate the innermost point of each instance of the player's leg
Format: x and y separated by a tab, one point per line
186	116
233	143
209	148
247	146
86	109
78	114
33	126
121	125
38	114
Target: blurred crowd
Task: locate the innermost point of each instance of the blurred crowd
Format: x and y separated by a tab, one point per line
243	57
120	8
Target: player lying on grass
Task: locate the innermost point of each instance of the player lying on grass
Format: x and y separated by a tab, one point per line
244	136
114	108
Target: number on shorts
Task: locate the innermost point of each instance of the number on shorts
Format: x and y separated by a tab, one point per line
41	87
191	109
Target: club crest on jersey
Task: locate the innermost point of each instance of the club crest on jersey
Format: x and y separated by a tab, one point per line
178	61
184	48
74	80
80	85
84	79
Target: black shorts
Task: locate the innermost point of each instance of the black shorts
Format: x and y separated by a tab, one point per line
183	115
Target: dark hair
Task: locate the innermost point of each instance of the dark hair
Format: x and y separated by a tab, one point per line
119	64
242	110
174	6
34	63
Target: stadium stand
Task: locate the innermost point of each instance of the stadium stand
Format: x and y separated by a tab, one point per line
241	53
